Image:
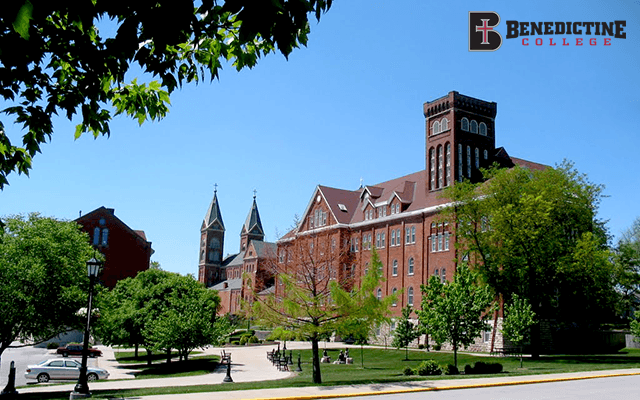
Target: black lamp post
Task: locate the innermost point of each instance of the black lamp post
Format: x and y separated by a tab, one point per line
81	390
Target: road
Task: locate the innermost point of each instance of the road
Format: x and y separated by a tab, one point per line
24	356
616	388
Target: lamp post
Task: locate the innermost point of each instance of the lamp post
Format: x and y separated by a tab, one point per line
81	390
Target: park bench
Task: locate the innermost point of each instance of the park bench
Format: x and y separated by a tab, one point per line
225	357
283	364
506	351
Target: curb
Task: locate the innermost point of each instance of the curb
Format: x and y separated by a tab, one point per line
441	388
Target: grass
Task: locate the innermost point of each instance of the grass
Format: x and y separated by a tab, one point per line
194	366
381	366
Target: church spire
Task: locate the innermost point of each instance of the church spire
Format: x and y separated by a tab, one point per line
213	217
252	228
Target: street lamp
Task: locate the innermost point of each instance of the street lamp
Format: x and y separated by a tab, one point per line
81	390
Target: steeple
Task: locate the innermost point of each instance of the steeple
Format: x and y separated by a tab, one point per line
252	228
213	217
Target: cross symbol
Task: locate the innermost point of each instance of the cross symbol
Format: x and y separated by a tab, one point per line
254	193
215	188
485	28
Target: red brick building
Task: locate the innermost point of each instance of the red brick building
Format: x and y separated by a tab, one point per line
399	217
235	274
126	251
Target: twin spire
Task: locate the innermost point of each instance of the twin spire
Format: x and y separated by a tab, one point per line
213	217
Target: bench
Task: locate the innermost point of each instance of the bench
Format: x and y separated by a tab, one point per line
506	351
225	357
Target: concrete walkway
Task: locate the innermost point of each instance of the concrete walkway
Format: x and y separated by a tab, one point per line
251	364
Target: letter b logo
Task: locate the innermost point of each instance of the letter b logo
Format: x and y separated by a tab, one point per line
482	36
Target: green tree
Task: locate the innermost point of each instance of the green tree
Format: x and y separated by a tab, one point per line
455	312
627	268
536	234
405	332
313	299
44	277
517	322
56	60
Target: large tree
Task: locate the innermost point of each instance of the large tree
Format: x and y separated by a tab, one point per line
455	312
316	295
44	277
536	234
627	269
56	59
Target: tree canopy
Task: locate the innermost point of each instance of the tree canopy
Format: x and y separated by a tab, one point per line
44	277
536	234
518	319
405	332
313	298
455	312
627	268
56	59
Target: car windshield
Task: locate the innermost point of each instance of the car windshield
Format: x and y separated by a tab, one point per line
42	362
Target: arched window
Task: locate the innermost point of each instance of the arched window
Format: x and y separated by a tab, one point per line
105	236
437	273
447	164
436	128
393	237
469	161
477	158
96	236
413	234
460	155
465	124
440	166
214	243
432	167
445	124
394	271
444	275
410	270
379	294
474	126
410	296
486	154
483	129
394	292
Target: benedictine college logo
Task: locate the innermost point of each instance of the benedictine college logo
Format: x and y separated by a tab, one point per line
482	36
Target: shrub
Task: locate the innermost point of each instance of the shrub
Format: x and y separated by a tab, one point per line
421	346
235	342
437	347
450	370
52	345
253	339
408	371
481	367
429	367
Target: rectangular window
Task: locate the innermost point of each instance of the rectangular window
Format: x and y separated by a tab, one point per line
408	238
413	234
393	238
377	240
382	237
446	241
433	243
356	244
440	242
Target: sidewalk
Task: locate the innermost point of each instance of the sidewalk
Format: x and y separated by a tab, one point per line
250	364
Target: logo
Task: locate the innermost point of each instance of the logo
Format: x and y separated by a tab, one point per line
482	35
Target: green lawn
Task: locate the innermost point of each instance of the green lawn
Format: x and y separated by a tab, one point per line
382	366
194	366
128	357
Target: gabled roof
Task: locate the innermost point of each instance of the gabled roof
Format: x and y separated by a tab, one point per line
253	224
529	164
110	214
231	284
213	217
233	260
264	249
334	197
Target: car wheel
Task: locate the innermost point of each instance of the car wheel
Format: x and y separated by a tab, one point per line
43	378
65	354
92	355
92	377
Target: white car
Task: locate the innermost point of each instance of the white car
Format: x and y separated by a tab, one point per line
62	369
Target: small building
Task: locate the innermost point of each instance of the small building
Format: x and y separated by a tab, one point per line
126	251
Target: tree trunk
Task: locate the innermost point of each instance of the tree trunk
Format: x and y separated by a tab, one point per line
362	355
455	353
186	354
317	377
149	355
136	350
168	356
406	353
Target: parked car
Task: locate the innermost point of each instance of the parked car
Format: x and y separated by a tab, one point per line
76	350
62	369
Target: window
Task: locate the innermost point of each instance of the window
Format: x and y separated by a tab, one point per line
408	238
379	294
410	270
96	236
477	158
440	237
410	296
394	271
486	336
440	166
398	237
377	240
469	161
394	292
413	234
444	125
447	171
483	129
357	245
433	243
437	273
393	238
474	126
311	222
444	275
486	154
460	162
382	239
464	124
436	128
432	167
446	241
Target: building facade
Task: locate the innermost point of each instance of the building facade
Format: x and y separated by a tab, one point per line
238	275
126	251
400	217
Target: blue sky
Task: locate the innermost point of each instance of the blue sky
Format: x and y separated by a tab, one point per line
349	106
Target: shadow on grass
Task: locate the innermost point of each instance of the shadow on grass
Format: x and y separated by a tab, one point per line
193	366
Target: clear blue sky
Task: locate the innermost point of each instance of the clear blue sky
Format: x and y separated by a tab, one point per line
349	106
